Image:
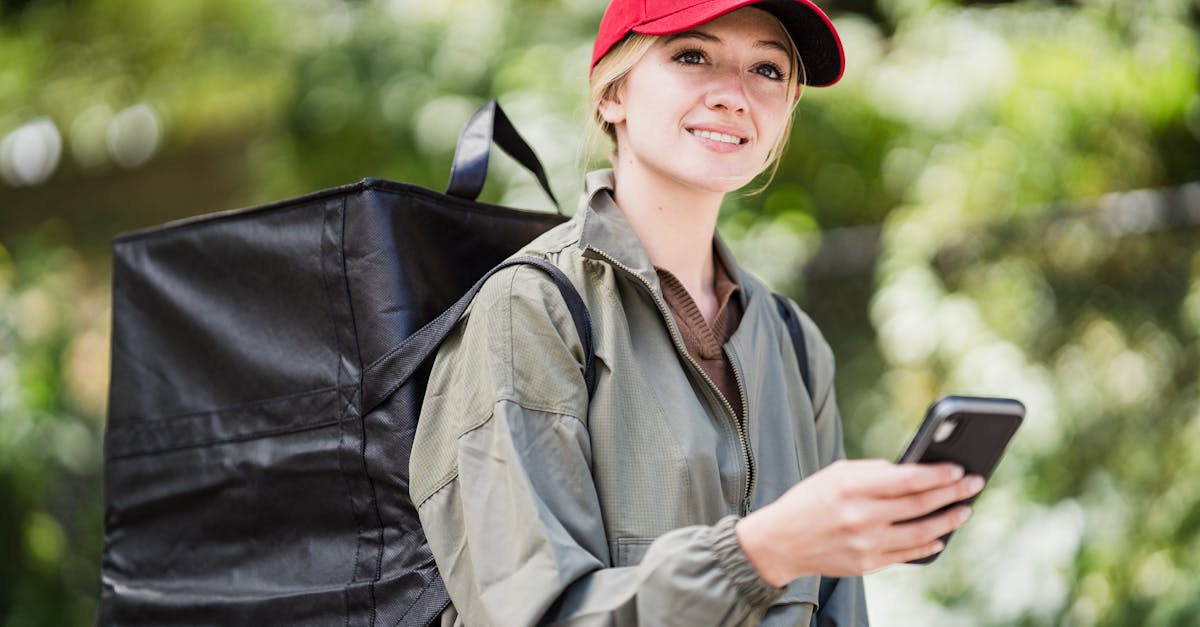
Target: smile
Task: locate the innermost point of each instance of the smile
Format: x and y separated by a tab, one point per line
717	137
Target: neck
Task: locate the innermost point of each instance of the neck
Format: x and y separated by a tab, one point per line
674	222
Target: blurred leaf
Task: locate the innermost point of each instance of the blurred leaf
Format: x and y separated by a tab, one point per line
956	214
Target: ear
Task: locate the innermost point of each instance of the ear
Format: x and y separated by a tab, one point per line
612	109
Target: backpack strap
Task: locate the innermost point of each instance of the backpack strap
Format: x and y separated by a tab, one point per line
385	375
797	333
829	585
470	167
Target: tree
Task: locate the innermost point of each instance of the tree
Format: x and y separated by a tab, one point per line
957	215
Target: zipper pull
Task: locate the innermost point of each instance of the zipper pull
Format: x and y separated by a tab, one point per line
746	505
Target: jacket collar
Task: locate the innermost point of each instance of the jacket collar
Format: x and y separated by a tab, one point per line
605	233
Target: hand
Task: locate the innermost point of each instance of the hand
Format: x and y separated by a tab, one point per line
855	517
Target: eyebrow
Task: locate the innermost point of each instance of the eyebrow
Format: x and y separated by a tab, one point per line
704	36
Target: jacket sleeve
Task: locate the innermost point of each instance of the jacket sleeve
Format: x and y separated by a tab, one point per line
501	477
842	601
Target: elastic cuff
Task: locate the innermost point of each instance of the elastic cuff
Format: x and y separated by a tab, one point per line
737	567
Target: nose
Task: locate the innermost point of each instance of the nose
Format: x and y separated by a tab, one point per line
727	92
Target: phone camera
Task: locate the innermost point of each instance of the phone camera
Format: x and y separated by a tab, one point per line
945	430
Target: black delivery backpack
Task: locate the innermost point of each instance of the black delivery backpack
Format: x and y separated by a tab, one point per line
268	367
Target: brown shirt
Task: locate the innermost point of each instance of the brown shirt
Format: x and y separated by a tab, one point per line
703	341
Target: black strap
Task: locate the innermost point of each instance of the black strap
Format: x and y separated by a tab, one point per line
470	167
386	374
793	327
828	584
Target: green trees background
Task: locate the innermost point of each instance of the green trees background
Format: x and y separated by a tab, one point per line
999	198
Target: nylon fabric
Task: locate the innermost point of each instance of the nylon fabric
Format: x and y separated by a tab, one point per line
257	450
473	152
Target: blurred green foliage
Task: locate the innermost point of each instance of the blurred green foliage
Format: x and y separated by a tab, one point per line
53	362
961	214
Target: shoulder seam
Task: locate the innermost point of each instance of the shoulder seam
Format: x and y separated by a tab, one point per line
452	474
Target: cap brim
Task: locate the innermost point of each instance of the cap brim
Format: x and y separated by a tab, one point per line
816	39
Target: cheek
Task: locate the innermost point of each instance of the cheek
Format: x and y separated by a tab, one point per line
658	94
773	111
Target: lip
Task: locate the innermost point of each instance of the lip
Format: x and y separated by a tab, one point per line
723	129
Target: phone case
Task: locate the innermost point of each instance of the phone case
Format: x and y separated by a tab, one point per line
982	430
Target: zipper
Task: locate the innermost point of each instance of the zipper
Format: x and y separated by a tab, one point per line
742	428
739	427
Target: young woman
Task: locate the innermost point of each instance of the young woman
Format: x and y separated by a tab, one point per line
698	484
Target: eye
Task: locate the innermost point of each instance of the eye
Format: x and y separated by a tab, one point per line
771	71
690	57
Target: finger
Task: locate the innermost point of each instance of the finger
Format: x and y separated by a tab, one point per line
897	480
917	505
915	553
909	535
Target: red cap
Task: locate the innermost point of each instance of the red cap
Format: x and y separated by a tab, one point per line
816	39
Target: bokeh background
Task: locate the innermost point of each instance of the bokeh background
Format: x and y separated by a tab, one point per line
999	198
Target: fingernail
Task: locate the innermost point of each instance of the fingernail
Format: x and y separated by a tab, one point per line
957	473
963	514
975	483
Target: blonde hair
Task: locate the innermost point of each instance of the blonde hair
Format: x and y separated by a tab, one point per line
606	79
609	75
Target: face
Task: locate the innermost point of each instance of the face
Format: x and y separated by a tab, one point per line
704	108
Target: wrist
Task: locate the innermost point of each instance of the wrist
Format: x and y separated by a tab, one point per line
753	534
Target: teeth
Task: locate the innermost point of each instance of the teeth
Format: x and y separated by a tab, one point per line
719	137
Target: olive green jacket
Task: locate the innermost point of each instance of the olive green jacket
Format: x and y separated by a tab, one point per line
544	506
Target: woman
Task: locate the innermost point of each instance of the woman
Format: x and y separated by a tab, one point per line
698	485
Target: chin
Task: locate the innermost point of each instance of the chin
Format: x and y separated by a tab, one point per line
722	177
721	182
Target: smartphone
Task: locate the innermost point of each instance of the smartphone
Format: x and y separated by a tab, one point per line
971	431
